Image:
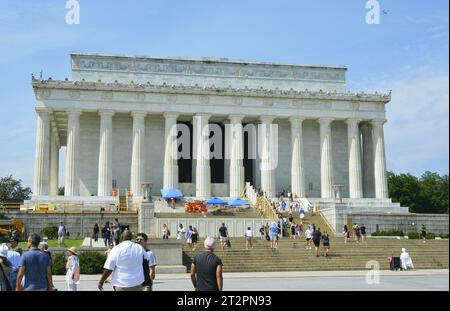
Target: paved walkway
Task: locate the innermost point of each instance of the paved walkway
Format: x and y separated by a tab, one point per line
418	280
89	242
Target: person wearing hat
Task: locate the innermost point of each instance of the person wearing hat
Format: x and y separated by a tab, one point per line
206	269
5	270
73	269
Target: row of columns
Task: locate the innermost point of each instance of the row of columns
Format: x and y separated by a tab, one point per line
372	159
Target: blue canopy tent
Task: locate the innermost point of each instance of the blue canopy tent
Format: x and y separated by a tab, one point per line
171	193
215	201
237	202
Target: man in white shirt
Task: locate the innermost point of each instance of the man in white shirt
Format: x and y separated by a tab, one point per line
125	262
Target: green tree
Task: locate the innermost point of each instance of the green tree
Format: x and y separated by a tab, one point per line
11	189
434	192
427	194
60	190
405	189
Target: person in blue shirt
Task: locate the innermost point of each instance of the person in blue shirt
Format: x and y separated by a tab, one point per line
35	266
14	258
273	234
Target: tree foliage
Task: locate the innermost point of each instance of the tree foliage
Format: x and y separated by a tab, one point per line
427	194
11	189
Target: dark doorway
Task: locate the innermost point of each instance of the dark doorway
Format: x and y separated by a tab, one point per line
185	165
248	163
218	165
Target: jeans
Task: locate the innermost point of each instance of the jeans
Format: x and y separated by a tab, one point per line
61	241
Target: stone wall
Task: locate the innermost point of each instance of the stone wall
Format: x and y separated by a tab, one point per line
380	215
435	223
76	224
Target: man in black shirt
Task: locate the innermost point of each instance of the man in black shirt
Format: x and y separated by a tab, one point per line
316	240
223	233
206	269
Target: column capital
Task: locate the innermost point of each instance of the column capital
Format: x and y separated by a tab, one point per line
43	109
296	119
325	120
171	115
203	115
107	112
353	120
138	114
236	117
74	112
378	122
266	119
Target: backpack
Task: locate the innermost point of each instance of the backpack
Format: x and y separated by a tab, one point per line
168	232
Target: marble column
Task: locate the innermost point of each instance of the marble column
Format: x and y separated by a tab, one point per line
105	154
42	159
297	173
326	160
138	156
54	163
267	169
367	161
381	188
203	169
171	151
354	159
71	185
236	156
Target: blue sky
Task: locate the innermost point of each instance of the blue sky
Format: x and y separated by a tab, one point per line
407	52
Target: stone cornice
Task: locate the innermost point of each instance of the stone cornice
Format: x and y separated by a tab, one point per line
43	88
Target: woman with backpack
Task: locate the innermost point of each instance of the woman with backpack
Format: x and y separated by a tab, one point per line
73	270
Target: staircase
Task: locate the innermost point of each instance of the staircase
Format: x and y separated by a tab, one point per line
123	205
292	255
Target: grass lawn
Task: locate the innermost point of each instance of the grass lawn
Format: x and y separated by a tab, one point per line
54	243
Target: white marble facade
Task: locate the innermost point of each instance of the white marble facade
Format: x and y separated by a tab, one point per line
114	118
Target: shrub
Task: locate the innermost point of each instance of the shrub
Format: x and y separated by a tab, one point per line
50	232
413	235
431	235
444	235
91	262
388	233
59	264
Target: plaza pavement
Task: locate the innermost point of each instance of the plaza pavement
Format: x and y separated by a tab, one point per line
417	280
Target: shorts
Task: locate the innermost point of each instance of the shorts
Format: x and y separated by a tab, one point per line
326	244
316	243
248	238
194	239
308	239
189	240
223	239
273	237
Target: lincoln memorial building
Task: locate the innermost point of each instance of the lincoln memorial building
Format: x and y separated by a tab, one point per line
115	115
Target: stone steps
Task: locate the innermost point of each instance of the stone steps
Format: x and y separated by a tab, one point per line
292	255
